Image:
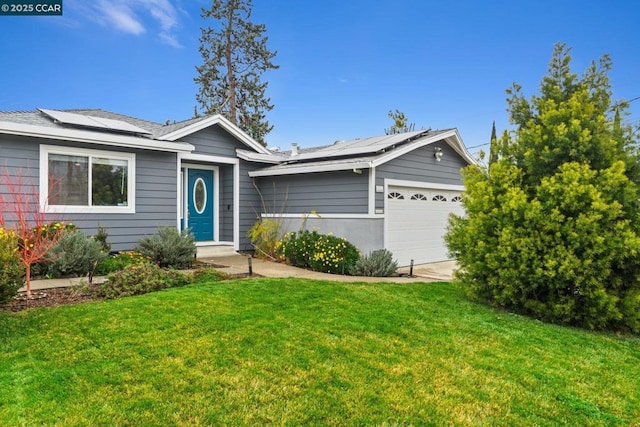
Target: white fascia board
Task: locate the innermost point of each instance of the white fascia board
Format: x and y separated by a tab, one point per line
209	159
259	158
301	168
462	149
451	137
420	184
225	124
92	137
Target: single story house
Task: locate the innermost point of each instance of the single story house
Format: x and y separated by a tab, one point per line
98	168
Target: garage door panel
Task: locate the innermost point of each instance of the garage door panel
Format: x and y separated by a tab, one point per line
417	219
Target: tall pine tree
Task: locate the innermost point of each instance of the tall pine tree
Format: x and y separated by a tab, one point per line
235	57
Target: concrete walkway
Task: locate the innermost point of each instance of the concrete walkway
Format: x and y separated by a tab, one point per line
239	264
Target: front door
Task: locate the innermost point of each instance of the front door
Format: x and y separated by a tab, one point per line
200	204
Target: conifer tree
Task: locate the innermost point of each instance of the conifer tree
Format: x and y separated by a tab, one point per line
493	147
235	57
553	230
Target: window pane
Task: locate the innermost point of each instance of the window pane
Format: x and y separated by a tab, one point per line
68	180
109	182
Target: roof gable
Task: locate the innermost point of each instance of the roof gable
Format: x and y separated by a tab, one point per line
181	130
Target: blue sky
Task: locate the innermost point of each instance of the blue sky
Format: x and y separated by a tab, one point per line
343	63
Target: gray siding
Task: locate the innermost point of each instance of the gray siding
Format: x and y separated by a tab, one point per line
341	192
155	190
420	165
226	203
250	204
214	141
365	233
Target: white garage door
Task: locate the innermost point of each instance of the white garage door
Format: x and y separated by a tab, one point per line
416	222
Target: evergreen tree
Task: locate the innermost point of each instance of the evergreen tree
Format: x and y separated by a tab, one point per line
552	231
235	56
493	147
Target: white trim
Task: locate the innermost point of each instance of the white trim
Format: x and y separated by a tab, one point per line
179	192
419	184
130	158
224	123
321	216
193	157
236	186
236	206
258	157
216	195
93	137
302	168
372	191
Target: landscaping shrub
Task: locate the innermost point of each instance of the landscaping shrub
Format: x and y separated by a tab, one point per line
102	236
551	227
320	252
138	279
75	254
11	271
378	263
119	261
169	248
297	248
265	237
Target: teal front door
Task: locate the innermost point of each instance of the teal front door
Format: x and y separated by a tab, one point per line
200	204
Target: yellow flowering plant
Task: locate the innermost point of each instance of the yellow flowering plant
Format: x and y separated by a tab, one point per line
319	252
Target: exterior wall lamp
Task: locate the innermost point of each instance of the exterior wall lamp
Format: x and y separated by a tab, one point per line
438	153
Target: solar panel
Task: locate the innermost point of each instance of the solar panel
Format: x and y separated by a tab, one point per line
93	122
359	146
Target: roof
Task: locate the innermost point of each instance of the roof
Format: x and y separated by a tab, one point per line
150	135
360	153
360	146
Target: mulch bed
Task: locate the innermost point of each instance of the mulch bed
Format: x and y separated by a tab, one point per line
66	296
54	297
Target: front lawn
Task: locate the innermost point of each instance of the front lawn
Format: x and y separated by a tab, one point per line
289	351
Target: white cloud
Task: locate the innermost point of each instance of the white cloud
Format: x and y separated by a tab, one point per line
121	16
134	16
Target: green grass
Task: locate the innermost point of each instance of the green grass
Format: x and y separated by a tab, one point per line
291	352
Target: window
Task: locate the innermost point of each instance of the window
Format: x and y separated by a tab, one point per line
439	198
77	180
456	199
418	196
395	195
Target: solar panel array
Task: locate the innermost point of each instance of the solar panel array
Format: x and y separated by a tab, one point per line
360	146
93	122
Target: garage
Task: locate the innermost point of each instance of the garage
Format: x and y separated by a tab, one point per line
416	221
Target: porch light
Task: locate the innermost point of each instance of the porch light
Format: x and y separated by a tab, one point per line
438	153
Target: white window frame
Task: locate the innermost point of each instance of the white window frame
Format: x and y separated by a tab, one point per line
130	158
